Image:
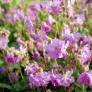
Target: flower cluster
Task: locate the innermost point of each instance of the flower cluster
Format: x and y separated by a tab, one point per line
37	77
48	43
4	34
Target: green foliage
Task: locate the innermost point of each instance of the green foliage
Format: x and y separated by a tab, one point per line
15	3
84	31
4	85
43	15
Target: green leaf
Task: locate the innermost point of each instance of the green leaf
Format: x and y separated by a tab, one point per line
20	86
15	3
3	85
2	62
61	89
76	73
84	31
43	15
15	66
77	90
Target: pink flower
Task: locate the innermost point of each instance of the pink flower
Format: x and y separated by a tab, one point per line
66	31
32	68
57	49
12	56
14	15
3	42
50	20
79	19
86	55
46	28
6	1
85	78
67	79
55	7
39	46
33	11
36	55
56	79
29	24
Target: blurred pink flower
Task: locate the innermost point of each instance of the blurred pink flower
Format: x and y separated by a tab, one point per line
85	78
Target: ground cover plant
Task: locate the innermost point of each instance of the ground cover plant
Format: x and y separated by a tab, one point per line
45	45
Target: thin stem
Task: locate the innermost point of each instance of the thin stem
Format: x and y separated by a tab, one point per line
83	88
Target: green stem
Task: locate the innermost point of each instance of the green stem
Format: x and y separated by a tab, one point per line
21	75
77	85
83	88
65	90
